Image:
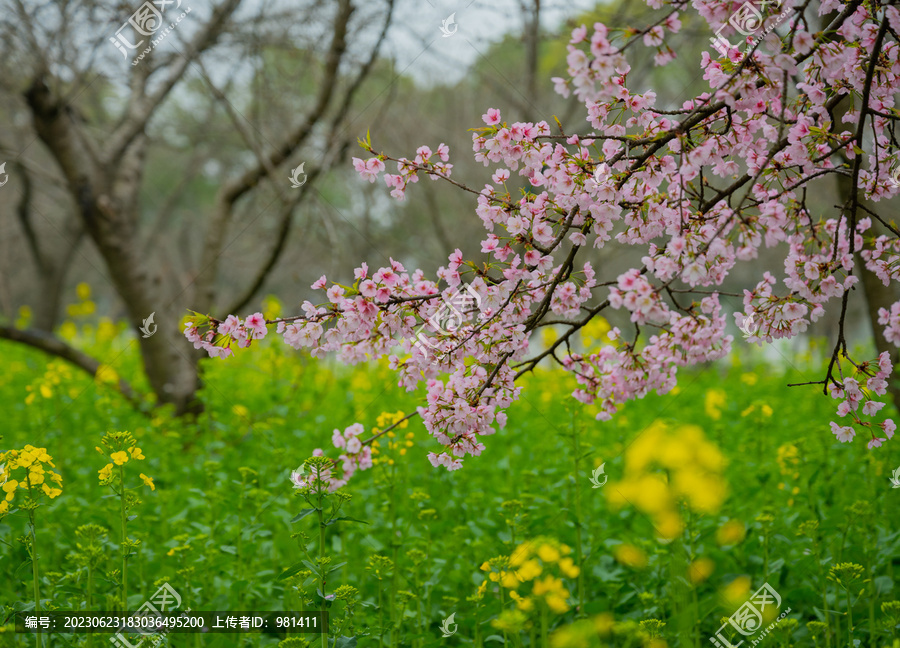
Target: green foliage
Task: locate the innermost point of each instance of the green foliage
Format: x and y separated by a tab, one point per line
229	532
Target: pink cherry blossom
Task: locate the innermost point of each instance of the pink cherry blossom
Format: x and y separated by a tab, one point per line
696	191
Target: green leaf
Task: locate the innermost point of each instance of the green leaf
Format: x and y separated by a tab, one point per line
328	601
293	570
302	514
336	567
229	549
132	517
345	519
27	563
345	642
883	585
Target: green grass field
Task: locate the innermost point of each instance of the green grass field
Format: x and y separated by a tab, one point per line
738	474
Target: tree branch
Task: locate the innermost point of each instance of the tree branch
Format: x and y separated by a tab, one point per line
52	345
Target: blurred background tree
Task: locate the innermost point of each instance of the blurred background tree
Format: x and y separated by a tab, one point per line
165	184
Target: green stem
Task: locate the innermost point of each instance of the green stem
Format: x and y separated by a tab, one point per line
695	601
34	566
90	598
380	618
579	558
124	540
849	618
544	642
394	548
322	569
823	585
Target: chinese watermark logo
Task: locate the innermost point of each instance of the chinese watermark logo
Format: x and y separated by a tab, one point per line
145	329
447	320
165	599
595	476
296	183
746	20
895	478
447	23
894	180
3	173
445	626
146	21
748	619
749	327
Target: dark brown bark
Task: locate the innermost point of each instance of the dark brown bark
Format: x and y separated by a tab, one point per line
879	296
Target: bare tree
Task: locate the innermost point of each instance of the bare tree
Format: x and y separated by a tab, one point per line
103	159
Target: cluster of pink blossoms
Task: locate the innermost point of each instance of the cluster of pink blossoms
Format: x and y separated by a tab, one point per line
217	340
855	394
355	457
369	169
698	189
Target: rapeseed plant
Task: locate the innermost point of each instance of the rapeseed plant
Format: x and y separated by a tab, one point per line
24	470
121	448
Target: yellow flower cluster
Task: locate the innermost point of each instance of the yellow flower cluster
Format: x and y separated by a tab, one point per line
386	419
85	305
53	379
788	459
594	333
584	632
731	533
30	461
692	468
121	448
532	561
764	410
715	399
630	556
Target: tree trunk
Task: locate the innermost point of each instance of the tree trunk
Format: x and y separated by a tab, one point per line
877	295
880	296
107	204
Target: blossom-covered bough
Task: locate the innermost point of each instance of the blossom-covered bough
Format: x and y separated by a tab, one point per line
698	189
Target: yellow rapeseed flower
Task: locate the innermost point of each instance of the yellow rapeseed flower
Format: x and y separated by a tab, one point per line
557	603
508	580
630	556
548	553
523	603
529	570
569	568
136	453
10	489
700	570
715	399
148	481
119	458
731	533
105	473
737	590
521	554
548	585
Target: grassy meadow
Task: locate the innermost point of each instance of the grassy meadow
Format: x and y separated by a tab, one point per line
731	481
